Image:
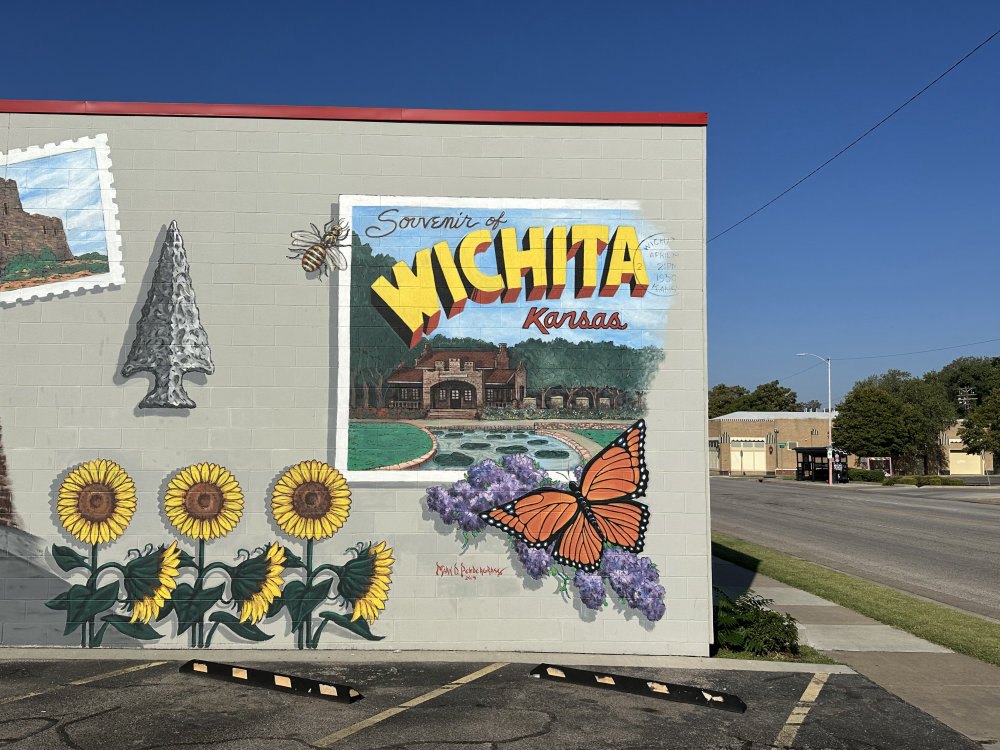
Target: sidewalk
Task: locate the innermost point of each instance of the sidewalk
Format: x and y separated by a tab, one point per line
959	691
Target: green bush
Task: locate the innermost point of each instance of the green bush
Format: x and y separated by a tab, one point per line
865	475
924	481
747	624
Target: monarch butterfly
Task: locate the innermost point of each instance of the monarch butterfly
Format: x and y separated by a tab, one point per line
603	508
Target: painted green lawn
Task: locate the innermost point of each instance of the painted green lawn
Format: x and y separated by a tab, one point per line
375	444
601	437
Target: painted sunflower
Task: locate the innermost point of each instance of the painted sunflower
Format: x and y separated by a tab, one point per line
365	580
204	501
311	500
150	580
256	583
96	501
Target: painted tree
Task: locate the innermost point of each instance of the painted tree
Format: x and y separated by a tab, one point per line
169	340
6	501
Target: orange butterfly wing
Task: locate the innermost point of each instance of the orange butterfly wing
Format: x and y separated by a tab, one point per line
580	545
619	470
535	518
604	510
622	522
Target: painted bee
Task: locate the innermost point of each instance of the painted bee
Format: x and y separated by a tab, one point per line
320	250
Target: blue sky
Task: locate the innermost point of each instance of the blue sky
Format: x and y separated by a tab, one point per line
893	248
68	187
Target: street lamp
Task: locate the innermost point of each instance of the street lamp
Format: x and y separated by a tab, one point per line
829	412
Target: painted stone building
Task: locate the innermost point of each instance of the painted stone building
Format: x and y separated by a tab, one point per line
309	251
456	384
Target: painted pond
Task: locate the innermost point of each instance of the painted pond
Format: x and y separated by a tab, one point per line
459	449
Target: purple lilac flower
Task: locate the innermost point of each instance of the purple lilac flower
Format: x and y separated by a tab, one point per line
621	569
649	600
484	473
470	522
537	562
591	588
525	469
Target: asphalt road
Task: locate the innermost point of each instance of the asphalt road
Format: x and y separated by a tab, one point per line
102	705
923	541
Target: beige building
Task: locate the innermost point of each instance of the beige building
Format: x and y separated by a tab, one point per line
960	462
763	442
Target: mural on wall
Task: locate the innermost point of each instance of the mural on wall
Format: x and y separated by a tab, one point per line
311	501
585	533
319	251
489	327
58	220
204	502
169	339
6	495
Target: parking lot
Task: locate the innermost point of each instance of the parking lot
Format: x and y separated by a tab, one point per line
97	704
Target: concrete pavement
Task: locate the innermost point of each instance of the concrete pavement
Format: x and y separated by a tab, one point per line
959	691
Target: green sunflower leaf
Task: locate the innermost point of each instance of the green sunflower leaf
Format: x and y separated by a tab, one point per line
83	604
139	630
292	560
186	560
191	606
67	558
242	629
166	610
302	600
274	608
359	626
60	602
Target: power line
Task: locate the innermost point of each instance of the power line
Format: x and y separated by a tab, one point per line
859	138
883	356
921	351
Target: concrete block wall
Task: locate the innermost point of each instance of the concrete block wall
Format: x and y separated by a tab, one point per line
236	188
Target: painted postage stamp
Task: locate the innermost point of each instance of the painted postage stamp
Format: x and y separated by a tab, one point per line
58	220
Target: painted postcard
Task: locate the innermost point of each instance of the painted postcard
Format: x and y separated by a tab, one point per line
487	327
58	220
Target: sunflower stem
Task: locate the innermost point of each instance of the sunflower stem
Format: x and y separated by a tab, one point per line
201	575
338	570
318	633
208	641
309	583
92	585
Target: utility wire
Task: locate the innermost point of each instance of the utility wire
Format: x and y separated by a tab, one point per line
882	356
921	351
859	138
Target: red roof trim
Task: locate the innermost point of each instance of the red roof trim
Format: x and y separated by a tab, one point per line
352	113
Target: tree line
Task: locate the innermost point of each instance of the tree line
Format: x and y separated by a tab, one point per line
898	414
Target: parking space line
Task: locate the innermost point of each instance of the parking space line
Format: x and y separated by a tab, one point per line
390	712
788	732
84	681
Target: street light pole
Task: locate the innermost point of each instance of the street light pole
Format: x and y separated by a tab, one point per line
829	413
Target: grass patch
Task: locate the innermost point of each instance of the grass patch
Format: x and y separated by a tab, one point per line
601	437
371	445
936	623
806	655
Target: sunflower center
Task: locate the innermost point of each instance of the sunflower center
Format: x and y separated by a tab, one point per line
203	501
311	500
97	502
